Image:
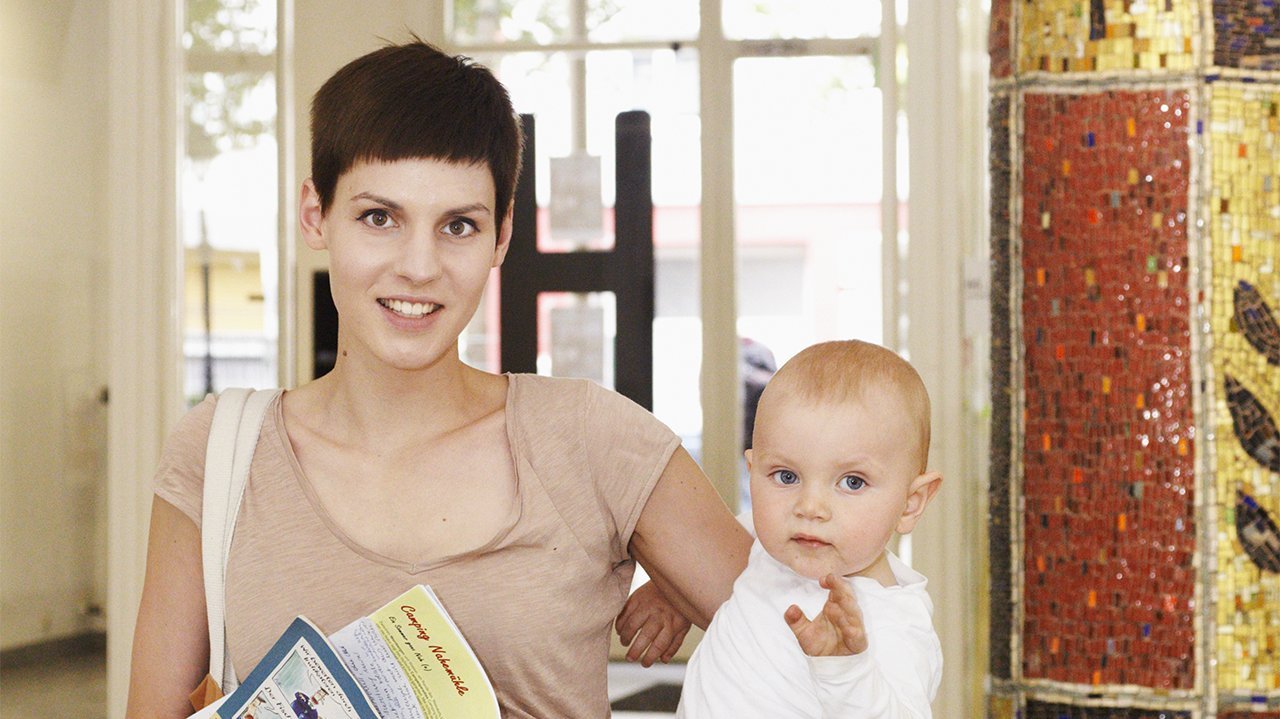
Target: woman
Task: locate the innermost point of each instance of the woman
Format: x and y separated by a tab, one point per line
521	500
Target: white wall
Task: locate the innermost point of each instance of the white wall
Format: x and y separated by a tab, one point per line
52	317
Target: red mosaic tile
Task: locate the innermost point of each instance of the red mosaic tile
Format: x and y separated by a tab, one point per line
1109	442
1000	38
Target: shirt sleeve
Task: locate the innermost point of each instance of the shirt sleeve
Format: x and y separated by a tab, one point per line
895	683
179	479
627	449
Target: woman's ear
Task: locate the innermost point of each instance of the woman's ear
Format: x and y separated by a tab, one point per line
918	497
311	216
504	237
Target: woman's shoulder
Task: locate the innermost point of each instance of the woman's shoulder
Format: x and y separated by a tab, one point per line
527	384
179	477
537	399
193	426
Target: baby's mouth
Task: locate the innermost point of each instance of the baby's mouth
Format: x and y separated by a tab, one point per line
808	541
412	310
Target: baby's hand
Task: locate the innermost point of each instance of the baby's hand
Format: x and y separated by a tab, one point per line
651	628
837	630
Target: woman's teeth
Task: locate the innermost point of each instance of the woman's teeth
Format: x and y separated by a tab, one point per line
409	309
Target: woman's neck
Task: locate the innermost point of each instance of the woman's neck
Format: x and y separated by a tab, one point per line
367	401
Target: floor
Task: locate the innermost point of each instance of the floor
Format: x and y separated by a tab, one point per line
58	688
77	687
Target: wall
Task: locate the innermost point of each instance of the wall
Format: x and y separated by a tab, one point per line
52	314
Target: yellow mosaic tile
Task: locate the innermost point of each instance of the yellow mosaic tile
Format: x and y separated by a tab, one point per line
1244	229
1105	35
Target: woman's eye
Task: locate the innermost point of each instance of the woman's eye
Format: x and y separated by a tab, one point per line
376	218
460	228
852	483
785	477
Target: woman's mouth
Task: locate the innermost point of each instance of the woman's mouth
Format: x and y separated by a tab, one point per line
411	310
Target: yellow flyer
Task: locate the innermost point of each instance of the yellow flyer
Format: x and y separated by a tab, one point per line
413	662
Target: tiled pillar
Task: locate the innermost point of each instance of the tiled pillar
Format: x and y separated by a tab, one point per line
1135	489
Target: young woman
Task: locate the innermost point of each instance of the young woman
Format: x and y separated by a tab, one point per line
522	500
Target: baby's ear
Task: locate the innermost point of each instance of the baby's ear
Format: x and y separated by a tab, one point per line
918	497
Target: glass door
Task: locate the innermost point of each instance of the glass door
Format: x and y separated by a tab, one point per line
575	67
228	197
775	182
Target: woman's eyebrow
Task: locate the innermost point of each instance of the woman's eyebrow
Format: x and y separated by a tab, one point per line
392	204
378	199
467	209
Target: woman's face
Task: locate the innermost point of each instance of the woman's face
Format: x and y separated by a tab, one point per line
411	244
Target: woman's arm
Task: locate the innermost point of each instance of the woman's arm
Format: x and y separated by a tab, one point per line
689	542
171	639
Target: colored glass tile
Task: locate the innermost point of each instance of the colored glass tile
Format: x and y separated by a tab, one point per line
1106	473
1244	230
1104	392
999	551
1000	38
1046	710
1245	32
1059	36
1001	707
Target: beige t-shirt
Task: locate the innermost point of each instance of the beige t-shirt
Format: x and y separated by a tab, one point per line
536	602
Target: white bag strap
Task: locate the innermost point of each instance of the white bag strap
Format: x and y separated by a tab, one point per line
233	436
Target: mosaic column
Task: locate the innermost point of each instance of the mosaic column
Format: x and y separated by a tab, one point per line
1135	488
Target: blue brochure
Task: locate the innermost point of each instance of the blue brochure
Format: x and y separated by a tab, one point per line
299	678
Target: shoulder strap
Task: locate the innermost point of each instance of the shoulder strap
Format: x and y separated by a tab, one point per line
233	436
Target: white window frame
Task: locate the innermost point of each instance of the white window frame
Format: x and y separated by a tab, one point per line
945	103
721	408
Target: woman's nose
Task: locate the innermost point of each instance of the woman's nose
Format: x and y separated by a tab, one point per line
419	260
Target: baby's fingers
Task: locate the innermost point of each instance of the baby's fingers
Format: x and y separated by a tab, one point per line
843	612
795	619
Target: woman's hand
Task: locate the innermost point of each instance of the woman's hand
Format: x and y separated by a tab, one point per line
650	626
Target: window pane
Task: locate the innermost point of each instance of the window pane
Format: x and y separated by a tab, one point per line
807	202
229	220
576	333
490	21
665	84
750	19
630	20
236	26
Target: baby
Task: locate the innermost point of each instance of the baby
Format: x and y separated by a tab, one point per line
825	621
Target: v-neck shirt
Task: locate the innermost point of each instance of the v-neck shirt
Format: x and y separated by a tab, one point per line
536	601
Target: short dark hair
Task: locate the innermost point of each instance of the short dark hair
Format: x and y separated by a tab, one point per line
414	101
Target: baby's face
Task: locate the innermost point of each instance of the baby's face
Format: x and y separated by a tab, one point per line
830	481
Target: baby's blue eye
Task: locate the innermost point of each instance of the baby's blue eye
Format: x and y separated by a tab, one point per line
785	477
852	482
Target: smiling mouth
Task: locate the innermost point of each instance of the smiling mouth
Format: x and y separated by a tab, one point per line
412	310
